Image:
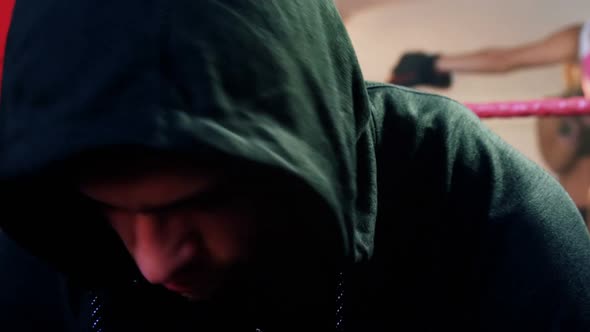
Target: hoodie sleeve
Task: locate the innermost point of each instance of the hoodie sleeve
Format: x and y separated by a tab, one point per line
534	242
32	294
525	244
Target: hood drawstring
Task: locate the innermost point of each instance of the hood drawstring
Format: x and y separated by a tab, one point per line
96	314
340	303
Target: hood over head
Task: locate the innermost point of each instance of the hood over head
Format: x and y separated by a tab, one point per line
273	83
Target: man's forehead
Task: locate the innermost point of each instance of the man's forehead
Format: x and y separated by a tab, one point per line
145	191
137	177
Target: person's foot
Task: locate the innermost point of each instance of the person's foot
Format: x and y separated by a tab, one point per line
417	68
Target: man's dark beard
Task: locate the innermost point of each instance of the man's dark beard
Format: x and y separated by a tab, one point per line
155	307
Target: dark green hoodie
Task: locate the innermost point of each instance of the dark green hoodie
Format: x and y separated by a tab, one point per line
440	225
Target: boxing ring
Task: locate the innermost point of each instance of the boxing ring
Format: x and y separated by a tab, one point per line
539	107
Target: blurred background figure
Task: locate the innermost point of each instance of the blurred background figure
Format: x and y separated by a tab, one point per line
564	141
567	45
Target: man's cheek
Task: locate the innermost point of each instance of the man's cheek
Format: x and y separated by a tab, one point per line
230	238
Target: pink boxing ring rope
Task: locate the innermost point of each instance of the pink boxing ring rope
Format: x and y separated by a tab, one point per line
540	107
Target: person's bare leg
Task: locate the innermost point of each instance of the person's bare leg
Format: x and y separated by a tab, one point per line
558	47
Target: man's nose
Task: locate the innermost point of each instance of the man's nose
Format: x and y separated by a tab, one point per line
154	247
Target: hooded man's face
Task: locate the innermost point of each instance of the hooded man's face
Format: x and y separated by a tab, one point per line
185	227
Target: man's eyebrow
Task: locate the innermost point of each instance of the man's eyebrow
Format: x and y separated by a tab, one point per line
200	195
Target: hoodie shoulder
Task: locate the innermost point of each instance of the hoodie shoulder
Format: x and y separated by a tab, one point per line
394	105
491	212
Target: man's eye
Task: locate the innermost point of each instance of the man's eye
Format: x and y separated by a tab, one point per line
210	201
113	213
